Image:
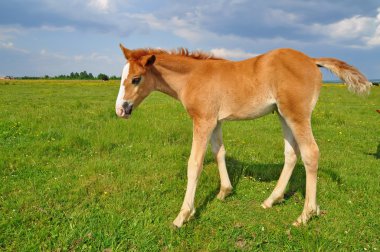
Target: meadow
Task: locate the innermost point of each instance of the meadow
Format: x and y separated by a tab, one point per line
74	177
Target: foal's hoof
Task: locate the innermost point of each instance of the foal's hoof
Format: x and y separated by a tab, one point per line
224	192
183	217
306	216
265	205
269	202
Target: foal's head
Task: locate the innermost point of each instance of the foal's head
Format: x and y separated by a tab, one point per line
136	81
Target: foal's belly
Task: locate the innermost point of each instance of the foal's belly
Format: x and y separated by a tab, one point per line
247	110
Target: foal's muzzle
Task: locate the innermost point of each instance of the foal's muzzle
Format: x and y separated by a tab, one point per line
125	110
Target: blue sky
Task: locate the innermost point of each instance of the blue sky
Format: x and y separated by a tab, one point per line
39	37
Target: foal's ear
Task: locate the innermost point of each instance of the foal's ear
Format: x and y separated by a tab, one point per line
148	61
127	53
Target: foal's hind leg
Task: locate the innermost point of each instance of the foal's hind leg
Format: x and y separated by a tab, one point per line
219	153
291	154
310	155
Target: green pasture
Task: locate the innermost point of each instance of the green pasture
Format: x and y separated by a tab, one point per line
74	177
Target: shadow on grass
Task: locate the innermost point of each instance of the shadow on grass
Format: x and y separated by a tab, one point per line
265	173
333	175
259	172
377	153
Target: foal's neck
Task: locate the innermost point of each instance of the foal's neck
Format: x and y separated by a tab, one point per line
172	74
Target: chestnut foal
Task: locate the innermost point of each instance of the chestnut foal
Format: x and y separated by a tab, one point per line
215	90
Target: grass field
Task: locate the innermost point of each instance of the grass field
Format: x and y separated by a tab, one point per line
73	177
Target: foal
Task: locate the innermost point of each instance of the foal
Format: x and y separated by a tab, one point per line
215	90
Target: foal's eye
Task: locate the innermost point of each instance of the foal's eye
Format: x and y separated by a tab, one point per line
136	80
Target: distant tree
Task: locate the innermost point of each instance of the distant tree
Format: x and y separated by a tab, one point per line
103	77
83	75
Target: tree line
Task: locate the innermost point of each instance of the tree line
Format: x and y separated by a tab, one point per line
77	76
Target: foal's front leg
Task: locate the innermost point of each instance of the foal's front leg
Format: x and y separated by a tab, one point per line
201	132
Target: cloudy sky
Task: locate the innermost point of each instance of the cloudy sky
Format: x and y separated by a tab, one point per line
39	37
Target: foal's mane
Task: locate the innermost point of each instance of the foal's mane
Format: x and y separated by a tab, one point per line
199	55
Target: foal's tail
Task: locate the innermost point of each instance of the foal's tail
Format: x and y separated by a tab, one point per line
354	79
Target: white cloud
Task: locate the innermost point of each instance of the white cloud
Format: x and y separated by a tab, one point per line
52	62
375	39
183	28
360	31
100	5
8	45
46	54
97	12
149	19
8	32
12	31
53	55
232	53
52	28
349	28
99	57
280	17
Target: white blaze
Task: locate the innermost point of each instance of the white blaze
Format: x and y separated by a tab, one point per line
120	97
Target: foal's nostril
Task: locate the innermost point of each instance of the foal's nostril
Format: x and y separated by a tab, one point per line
127	108
125	105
